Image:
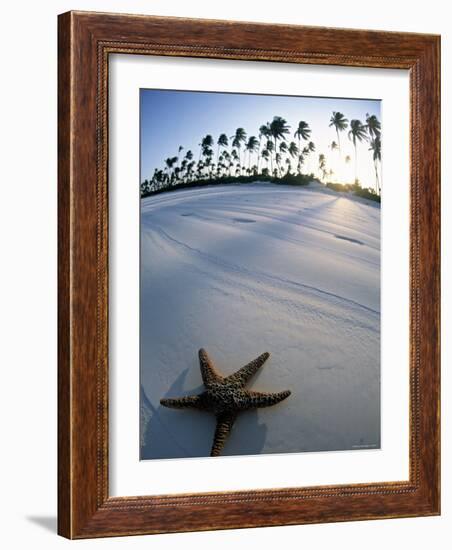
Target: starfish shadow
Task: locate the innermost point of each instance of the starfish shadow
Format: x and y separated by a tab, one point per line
248	435
167	433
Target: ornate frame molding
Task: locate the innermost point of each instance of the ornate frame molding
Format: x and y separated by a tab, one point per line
85	42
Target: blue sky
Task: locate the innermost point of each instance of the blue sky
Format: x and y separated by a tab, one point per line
172	118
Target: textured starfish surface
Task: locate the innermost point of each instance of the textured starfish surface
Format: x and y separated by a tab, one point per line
226	396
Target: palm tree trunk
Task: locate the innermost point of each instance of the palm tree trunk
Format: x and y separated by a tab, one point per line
299	153
377	179
356	164
259	154
276	150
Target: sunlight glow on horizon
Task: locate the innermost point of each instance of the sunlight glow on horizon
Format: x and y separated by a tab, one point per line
170	119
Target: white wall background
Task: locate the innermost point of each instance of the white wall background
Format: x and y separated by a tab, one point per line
28	269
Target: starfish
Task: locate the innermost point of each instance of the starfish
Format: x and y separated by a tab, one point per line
226	396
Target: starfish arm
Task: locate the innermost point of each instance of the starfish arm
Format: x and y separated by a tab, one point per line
208	372
187	402
245	373
257	400
223	429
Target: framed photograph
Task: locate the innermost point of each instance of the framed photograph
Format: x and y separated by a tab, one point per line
248	275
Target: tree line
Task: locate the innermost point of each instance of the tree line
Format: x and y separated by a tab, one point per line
272	154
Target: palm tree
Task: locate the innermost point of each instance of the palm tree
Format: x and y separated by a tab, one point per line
199	169
222	142
302	132
264	131
227	159
208	154
289	166
183	168
151	183
238	138
310	148
251	146
375	146
300	161
207	141
283	148
265	155
208	165
278	162
356	133
293	150
234	158
373	125
169	163
278	130
144	187
159	178
180	148
322	164
270	147
339	121
188	157
190	167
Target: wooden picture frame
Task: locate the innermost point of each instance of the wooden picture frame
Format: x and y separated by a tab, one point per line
85	42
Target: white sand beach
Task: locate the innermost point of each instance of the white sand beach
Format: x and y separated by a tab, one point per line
243	269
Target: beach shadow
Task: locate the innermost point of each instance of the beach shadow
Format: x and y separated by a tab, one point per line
244	220
248	435
170	433
343	238
49	523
